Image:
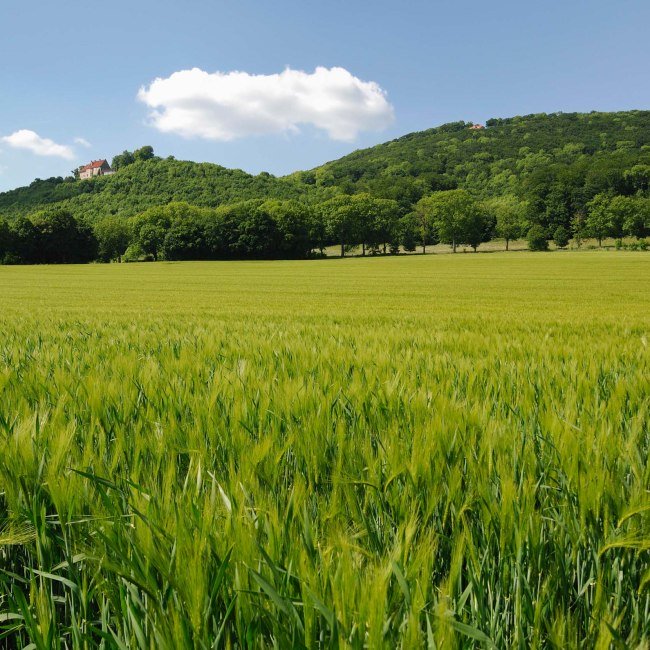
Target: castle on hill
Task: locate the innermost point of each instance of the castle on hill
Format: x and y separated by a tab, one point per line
95	168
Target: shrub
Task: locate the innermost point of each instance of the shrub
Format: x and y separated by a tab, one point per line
10	259
132	254
561	237
537	239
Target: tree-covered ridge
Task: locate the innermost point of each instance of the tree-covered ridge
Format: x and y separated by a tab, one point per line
517	144
558	162
143	184
558	177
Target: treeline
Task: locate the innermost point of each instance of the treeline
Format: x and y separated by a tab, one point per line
290	229
48	237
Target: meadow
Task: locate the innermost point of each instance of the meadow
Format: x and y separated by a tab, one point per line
406	452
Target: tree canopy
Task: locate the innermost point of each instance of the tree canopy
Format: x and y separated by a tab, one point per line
561	174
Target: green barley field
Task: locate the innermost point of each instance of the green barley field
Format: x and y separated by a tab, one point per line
424	452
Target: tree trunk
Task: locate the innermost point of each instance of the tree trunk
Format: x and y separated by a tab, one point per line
384	248
453	245
507	242
424	248
342	250
363	249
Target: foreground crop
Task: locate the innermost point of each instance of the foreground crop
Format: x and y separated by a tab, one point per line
425	452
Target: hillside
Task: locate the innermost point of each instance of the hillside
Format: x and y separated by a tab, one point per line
144	184
557	162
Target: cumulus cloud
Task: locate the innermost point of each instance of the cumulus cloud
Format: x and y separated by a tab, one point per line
31	141
230	105
83	142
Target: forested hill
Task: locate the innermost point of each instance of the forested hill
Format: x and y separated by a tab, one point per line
556	163
143	184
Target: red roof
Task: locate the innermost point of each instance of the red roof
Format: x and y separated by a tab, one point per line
95	164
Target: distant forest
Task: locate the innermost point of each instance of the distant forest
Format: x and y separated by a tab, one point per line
546	177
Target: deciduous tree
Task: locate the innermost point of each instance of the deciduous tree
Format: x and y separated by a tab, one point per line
113	238
510	214
448	212
341	220
599	218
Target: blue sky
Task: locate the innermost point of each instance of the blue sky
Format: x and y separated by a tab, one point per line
73	70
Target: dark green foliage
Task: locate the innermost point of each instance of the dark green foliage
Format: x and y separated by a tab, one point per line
382	224
24	239
341	219
422	222
6	240
51	236
618	216
294	223
185	240
150	229
143	184
537	239
455	216
122	160
478	226
113	238
144	153
64	239
225	230
509	215
579	228
127	158
629	216
637	179
556	162
585	174
637	221
259	235
599	218
561	237
409	232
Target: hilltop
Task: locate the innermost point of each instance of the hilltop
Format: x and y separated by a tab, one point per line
144	184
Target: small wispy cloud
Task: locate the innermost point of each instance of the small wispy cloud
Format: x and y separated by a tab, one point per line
83	142
230	105
31	141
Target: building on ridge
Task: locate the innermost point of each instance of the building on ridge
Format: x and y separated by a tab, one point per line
95	168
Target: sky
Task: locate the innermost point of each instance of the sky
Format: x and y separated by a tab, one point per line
282	85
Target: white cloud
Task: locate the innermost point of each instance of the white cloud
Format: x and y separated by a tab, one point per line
83	142
26	139
230	105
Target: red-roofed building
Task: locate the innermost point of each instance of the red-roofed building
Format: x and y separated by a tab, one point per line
95	168
476	127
